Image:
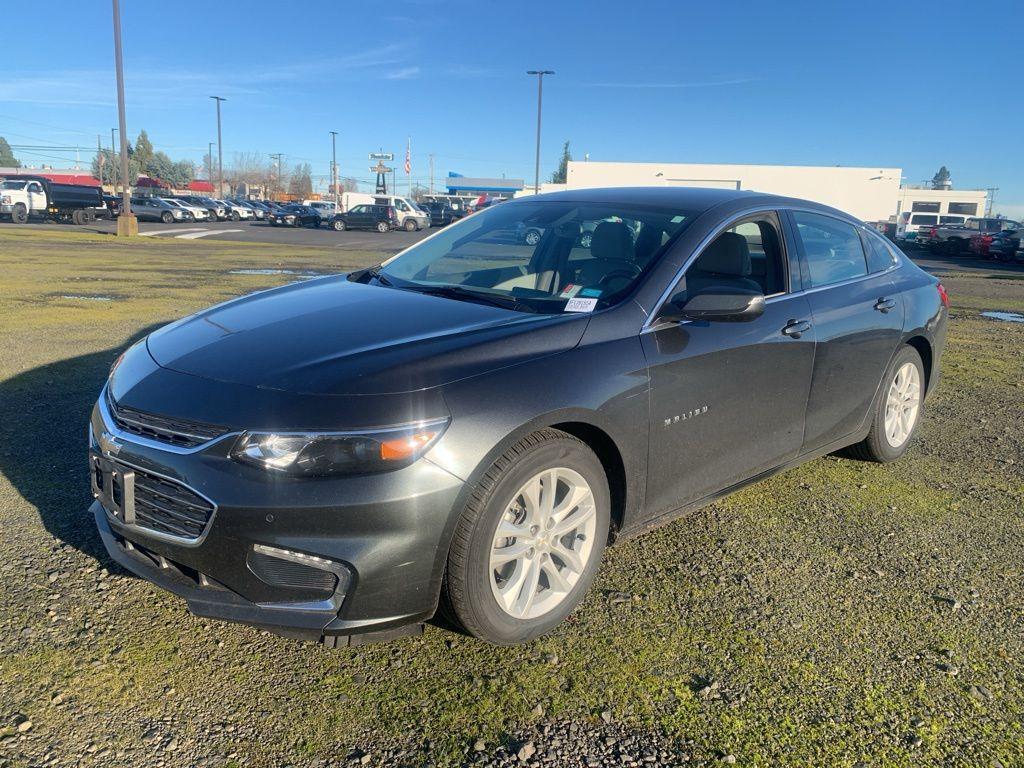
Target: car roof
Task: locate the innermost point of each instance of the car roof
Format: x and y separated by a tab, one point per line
698	199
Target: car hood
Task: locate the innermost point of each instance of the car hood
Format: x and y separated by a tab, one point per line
331	336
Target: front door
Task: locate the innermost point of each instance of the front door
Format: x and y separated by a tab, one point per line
858	322
728	399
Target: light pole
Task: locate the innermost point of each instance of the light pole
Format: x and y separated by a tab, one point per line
540	93
209	162
220	150
277	180
127	225
334	168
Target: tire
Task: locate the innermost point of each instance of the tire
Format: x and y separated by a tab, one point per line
235	216
409	225
90	216
77	217
952	246
532	237
471	585
20	214
167	217
339	225
382	227
878	446
586	239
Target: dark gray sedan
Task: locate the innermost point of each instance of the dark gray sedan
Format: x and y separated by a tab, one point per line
470	423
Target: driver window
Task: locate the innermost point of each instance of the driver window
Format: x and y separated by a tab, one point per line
747	257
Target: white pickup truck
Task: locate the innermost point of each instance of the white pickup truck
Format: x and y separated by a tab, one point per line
22	197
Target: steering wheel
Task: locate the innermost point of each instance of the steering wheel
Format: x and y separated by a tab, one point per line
628	272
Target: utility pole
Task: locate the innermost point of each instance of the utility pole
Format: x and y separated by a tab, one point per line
209	162
277	157
990	199
220	150
100	159
540	95
127	224
431	173
334	167
115	171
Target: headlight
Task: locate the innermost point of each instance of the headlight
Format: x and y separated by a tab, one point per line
313	454
6	199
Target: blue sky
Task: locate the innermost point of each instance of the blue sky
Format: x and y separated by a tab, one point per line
907	84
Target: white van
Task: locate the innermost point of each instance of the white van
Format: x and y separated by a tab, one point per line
351	199
325	208
410	216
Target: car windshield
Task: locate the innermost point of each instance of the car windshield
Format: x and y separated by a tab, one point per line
538	255
13	185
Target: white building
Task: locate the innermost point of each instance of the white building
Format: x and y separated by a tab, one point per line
920	207
869	193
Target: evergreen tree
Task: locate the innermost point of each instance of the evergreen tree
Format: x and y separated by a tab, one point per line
559	176
941	178
143	151
7	158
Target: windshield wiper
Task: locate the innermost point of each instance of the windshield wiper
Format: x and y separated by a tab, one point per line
465	294
373	272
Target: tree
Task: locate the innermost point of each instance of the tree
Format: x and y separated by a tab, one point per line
559	176
182	174
941	179
160	166
143	150
7	158
111	168
301	184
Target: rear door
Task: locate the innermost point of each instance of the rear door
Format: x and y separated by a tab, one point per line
858	322
728	399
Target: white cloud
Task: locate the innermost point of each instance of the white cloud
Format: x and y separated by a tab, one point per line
405	73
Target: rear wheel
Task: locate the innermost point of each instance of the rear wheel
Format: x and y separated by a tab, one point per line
532	237
382	226
529	541
77	217
898	411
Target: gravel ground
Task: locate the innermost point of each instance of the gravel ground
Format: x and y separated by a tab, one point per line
838	614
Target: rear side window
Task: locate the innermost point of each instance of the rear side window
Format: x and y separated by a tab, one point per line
832	248
880	256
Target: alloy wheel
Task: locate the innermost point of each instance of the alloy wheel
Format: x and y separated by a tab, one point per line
902	404
543	543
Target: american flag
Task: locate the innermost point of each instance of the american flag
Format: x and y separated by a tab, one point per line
408	157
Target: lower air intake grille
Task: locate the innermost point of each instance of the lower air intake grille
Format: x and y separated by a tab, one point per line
284	573
167	507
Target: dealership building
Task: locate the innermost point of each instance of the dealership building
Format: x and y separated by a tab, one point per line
869	193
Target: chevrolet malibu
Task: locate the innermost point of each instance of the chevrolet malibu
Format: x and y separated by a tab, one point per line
464	427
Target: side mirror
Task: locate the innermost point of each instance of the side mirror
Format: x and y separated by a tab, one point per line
717	306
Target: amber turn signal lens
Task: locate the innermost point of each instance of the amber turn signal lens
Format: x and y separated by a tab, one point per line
404	448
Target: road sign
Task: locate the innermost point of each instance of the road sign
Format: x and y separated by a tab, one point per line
381	169
388	156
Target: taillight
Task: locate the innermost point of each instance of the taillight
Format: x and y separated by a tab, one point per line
943	296
933	232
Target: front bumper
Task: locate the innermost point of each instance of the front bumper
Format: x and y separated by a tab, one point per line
385	532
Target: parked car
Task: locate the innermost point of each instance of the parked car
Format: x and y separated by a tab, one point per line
236	212
325	208
441	214
954	240
336	457
295	216
156	209
411	217
382	218
459	205
192	212
215	211
24	197
255	211
999	246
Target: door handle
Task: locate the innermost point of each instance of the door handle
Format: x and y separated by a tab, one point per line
883	305
795	328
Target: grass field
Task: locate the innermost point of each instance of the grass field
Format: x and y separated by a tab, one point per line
838	614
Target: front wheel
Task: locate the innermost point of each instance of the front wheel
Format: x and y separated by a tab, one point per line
167	217
20	214
339	225
898	411
235	216
529	541
410	225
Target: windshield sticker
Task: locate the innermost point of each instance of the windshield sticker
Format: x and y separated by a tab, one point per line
580	305
590	293
569	291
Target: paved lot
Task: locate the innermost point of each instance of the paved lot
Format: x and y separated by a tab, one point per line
251	232
838	614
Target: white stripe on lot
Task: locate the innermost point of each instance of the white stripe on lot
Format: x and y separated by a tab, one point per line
205	233
156	232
